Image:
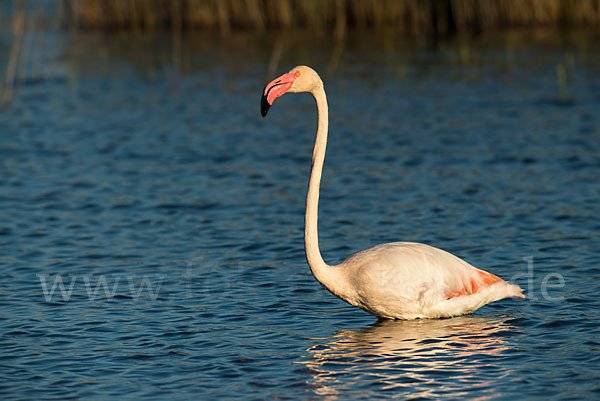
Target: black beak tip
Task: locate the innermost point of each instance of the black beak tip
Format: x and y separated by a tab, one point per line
264	106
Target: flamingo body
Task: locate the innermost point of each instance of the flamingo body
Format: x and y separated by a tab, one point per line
408	280
398	280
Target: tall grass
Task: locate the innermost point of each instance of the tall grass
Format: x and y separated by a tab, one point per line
416	17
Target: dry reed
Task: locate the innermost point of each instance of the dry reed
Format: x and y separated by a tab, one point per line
415	17
18	31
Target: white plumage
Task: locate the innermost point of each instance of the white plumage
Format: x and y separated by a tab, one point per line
409	280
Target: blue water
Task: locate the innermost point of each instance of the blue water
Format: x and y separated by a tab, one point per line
138	173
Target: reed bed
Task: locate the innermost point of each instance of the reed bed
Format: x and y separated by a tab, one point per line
416	17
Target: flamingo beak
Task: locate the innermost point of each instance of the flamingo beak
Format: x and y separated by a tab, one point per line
274	89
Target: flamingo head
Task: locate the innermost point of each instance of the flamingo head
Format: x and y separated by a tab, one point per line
299	79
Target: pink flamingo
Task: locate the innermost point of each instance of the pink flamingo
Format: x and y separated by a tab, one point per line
398	280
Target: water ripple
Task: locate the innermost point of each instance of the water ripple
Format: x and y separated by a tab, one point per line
151	225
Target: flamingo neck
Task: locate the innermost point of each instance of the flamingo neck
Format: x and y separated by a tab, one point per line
322	272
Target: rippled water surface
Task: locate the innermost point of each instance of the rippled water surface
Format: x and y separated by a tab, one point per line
151	221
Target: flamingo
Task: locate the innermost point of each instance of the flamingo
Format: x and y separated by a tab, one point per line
397	280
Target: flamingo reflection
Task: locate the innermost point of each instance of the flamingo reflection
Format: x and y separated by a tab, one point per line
426	358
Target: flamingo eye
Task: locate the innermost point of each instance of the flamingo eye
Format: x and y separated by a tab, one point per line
297	73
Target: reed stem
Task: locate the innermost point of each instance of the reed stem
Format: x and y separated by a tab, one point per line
414	17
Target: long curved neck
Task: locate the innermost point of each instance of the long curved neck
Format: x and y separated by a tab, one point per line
322	272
